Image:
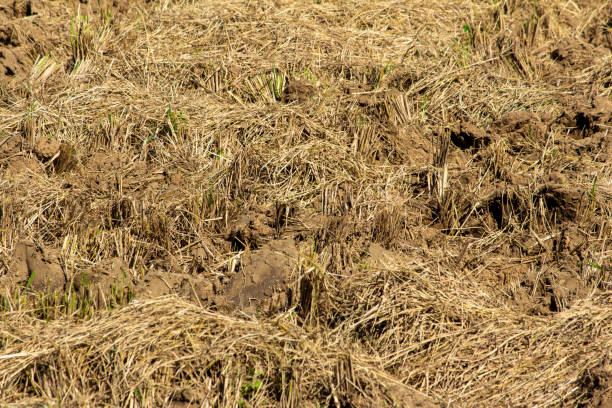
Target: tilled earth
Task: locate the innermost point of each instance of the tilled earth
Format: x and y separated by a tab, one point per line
423	190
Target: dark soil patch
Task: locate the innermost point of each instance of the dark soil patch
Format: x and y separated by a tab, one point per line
261	283
297	91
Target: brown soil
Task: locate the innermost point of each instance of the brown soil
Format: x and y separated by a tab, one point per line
297	91
19	36
102	282
201	291
251	229
36	269
286	203
599	379
260	285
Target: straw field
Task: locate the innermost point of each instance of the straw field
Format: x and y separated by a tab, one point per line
308	203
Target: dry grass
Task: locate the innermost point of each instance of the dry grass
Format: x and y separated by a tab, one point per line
445	245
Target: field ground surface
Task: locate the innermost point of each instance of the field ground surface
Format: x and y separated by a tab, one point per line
308	203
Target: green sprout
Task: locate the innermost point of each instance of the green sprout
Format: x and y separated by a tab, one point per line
251	386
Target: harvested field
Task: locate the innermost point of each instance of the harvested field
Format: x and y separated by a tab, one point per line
305	203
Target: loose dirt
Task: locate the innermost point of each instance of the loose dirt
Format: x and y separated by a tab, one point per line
260	285
201	291
35	269
104	283
297	91
251	229
19	36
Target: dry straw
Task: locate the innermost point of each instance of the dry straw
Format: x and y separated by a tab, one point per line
452	252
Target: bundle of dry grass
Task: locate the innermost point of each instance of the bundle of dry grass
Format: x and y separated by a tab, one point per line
166	352
351	204
188	356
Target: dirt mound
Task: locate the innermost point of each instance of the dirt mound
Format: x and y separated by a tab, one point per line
467	136
597	382
36	269
592	120
517	129
199	289
55	156
13	63
297	91
18	37
575	54
251	229
551	283
260	285
10	147
105	172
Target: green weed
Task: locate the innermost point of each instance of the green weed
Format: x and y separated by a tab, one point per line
250	387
